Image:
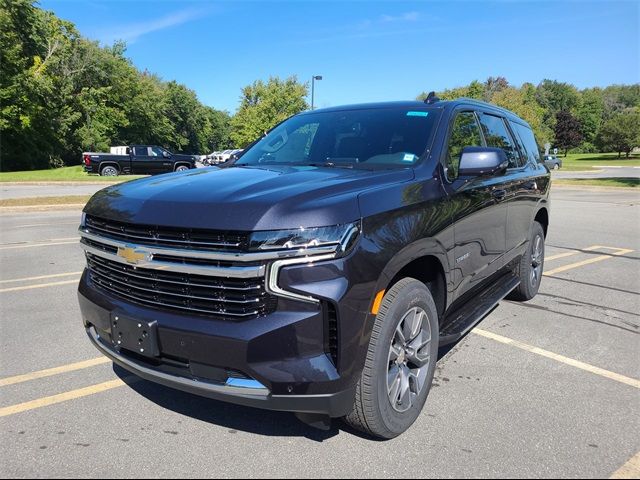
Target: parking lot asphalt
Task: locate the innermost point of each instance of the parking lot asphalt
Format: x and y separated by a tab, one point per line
548	388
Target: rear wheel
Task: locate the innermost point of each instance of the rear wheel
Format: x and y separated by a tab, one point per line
531	266
556	166
181	168
400	362
109	171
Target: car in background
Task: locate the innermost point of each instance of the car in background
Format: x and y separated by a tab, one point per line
137	160
552	162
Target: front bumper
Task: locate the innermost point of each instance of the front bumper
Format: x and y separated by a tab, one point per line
237	391
283	355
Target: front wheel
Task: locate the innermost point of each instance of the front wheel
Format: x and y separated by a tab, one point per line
400	362
531	266
181	168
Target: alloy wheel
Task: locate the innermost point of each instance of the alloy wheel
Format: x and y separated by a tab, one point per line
537	260
409	358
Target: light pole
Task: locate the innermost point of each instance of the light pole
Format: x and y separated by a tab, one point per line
313	79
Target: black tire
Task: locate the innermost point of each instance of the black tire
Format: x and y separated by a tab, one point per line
556	167
373	411
109	171
182	168
531	266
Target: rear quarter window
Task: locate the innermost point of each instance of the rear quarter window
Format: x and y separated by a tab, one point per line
528	140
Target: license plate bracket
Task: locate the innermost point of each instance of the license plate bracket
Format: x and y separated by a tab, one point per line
139	336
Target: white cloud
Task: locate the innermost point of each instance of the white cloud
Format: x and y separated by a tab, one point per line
133	31
405	17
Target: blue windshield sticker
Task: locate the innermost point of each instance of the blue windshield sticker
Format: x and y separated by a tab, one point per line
417	114
408	157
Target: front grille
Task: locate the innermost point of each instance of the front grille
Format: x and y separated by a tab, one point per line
201	294
194	239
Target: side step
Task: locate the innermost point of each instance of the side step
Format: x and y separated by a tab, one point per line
463	319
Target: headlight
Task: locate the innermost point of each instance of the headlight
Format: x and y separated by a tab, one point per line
340	236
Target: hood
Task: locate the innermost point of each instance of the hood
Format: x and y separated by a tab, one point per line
243	198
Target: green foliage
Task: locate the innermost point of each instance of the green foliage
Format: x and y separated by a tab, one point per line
61	94
263	105
621	133
540	106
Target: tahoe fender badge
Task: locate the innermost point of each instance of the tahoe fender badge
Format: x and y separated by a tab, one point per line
463	257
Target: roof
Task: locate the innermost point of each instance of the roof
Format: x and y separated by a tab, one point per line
417	104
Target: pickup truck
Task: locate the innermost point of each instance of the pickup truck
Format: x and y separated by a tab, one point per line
334	258
138	160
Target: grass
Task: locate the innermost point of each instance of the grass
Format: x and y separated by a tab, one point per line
39	201
64	174
586	161
600	182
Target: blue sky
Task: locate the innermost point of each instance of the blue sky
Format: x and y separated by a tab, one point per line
367	51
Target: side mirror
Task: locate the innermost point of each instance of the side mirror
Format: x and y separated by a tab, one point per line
478	161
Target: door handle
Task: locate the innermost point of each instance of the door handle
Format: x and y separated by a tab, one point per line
498	194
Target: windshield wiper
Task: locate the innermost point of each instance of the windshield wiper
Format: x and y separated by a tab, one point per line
329	165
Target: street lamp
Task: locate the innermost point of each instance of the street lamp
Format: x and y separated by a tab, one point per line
313	79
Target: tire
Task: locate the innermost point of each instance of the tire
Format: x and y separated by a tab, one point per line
181	168
373	411
556	166
531	266
109	171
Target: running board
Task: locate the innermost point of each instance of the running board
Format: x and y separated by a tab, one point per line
463	319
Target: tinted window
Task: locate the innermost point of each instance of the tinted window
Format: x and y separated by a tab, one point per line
464	133
368	138
496	135
140	151
156	152
528	140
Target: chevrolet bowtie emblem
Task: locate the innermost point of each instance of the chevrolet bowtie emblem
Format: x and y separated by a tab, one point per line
130	255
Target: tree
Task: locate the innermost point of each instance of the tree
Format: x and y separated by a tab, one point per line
567	131
522	102
621	133
263	105
494	85
590	113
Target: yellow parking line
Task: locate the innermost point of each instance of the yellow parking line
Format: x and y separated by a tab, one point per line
631	469
559	358
31	245
41	277
589	261
62	397
44	225
39	285
561	255
53	371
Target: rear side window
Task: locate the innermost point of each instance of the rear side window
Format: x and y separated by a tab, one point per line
140	151
464	133
497	136
528	141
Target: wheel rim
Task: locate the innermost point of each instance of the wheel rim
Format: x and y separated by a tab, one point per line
537	260
182	168
109	172
409	359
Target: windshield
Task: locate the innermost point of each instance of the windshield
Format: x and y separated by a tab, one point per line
370	138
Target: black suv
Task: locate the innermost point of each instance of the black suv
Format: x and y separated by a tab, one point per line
332	260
